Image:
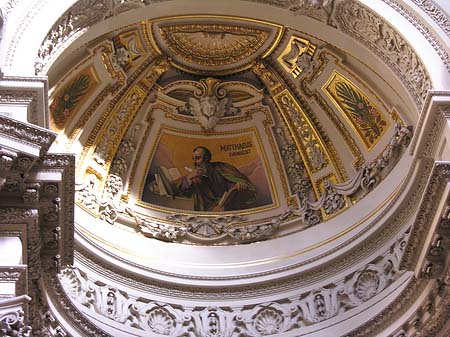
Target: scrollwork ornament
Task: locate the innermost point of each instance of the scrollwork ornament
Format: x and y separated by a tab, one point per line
12	325
159	230
333	201
366	26
253	232
85	192
111	205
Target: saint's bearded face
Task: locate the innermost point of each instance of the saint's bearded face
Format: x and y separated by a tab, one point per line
198	157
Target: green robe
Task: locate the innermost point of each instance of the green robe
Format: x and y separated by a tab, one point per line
208	190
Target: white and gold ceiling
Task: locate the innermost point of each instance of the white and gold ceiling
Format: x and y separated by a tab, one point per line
314	105
311	133
316	130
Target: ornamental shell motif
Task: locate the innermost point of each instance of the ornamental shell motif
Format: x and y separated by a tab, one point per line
160	322
70	282
367	284
268	322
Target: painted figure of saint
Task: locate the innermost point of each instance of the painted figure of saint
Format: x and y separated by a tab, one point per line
216	186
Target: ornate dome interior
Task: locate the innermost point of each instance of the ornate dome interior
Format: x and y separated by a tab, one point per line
241	168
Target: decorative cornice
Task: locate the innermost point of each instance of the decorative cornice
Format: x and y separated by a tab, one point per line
428	207
27	97
365	26
392	312
285	314
431	123
435	13
26	133
82	14
19	32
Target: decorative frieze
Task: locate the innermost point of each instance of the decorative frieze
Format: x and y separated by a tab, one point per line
26	134
369	28
437	15
274	317
434	12
429	206
81	15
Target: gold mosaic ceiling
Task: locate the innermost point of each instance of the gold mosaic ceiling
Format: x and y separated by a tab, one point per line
285	130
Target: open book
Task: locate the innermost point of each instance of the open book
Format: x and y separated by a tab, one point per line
165	180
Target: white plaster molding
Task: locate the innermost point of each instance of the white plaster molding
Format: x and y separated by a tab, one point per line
12	317
124	306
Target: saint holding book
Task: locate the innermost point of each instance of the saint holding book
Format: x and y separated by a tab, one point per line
216	186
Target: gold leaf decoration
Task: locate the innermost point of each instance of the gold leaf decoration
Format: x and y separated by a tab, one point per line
213	44
363	116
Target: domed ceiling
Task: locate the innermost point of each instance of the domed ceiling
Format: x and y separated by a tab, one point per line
216	130
243	168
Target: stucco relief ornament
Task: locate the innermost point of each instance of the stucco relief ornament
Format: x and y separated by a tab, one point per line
209	106
208	110
278	317
111	205
85	192
322	10
212	322
6	162
11	324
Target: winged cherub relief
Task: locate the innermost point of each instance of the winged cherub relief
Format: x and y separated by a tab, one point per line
209	103
208	110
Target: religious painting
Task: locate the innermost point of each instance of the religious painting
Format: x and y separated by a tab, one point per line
363	116
70	97
214	173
